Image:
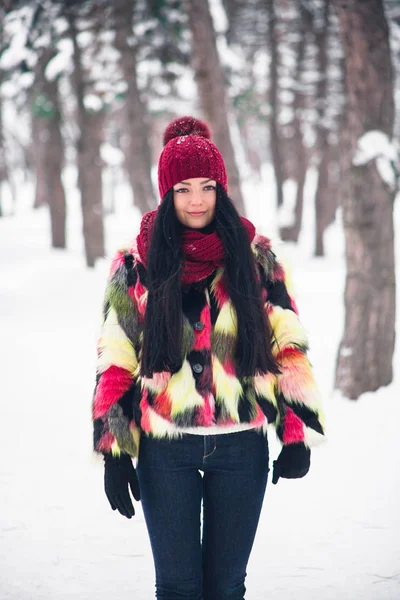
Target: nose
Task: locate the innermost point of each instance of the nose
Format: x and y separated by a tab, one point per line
196	199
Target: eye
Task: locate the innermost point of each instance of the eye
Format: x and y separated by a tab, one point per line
180	190
209	188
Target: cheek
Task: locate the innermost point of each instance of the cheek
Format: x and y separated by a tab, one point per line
212	203
179	202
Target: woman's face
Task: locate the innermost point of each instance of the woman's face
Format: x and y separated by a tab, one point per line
194	201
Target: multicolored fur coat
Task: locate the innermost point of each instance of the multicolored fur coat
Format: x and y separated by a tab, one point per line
206	391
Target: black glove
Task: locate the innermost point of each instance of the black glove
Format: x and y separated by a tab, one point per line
292	463
119	474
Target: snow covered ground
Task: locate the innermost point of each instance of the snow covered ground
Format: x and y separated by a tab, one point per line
334	535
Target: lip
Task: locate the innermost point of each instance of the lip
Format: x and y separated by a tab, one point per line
197	213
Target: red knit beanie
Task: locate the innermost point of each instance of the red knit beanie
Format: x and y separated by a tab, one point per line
189	152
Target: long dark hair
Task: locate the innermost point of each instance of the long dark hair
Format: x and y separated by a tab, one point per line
162	335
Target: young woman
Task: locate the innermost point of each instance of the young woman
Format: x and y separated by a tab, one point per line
201	349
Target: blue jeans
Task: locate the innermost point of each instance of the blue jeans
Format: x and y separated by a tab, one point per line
235	465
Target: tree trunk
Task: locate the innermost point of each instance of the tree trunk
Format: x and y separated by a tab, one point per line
89	165
3	162
90	178
275	142
249	148
365	355
50	152
210	80
292	232
39	141
40	132
325	197
136	145
54	155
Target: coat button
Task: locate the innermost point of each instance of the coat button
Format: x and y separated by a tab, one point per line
197	368
198	326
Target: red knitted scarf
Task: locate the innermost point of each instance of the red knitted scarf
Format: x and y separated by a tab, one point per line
203	252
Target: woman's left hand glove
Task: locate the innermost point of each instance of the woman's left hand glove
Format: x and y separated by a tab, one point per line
292	463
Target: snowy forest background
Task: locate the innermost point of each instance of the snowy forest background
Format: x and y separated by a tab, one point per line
303	100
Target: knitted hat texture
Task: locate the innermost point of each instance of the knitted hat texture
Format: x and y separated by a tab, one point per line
189	152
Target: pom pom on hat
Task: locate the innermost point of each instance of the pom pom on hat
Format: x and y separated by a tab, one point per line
189	152
186	126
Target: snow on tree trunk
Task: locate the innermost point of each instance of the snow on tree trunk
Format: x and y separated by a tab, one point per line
136	141
88	159
275	143
365	355
210	80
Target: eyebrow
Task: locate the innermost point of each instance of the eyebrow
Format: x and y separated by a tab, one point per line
201	182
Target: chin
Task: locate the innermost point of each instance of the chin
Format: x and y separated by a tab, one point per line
198	223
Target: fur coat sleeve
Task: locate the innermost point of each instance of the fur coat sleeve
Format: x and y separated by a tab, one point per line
300	414
113	405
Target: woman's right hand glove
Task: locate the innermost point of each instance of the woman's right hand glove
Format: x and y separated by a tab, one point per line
119	475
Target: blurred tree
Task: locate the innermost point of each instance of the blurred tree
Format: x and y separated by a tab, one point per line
294	128
275	136
3	165
14	80
325	197
162	31
138	134
49	147
306	96
330	102
365	355
245	65
39	141
211	85
90	121
3	162
42	111
392	11
35	21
